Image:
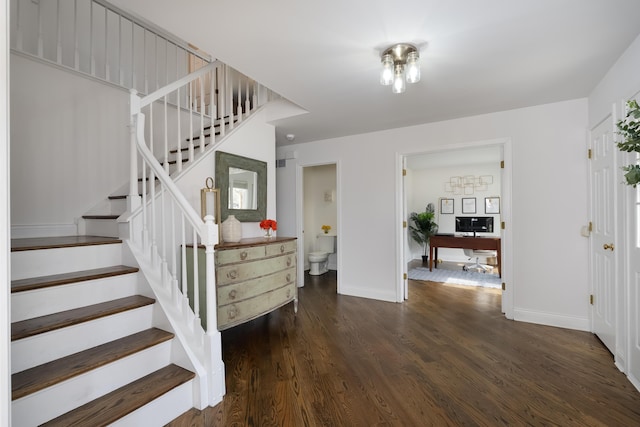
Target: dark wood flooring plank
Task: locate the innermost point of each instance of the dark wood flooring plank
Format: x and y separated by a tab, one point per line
66	278
43	376
42	324
117	404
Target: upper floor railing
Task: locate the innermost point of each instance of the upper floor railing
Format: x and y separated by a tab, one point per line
97	39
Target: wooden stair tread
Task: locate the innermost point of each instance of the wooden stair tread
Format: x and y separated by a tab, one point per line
100	216
34	243
115	405
74	277
42	324
39	377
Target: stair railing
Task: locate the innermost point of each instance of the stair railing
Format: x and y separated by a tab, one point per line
100	41
205	105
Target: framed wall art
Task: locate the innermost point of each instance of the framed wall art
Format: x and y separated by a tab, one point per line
492	205
446	206
469	205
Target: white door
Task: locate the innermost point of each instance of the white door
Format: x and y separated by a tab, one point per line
603	251
634	285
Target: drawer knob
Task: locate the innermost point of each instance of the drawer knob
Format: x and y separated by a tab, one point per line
289	262
281	248
233	312
288	293
288	277
232	274
232	294
243	255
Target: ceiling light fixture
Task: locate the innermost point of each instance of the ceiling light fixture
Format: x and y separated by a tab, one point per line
400	64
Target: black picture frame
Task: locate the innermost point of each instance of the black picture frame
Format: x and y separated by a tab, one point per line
468	205
446	206
492	205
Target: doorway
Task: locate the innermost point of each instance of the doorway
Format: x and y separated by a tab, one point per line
319	213
444	169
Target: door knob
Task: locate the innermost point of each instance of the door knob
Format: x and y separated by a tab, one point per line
608	246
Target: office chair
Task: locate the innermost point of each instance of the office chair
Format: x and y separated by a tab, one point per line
477	253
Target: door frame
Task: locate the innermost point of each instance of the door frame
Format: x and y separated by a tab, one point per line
300	216
509	287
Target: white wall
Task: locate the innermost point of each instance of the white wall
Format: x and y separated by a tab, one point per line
255	139
549	204
317	211
69	146
428	187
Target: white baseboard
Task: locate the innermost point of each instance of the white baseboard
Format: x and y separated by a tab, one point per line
551	319
388	296
43	230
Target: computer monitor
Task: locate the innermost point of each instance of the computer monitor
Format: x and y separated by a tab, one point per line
474	224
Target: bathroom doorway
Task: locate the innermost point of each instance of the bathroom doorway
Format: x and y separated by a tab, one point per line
319	211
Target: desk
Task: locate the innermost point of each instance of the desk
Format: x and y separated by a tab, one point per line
464	242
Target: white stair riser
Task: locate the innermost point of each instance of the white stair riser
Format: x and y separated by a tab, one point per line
42	348
40	302
44	262
118	206
161	411
101	227
56	400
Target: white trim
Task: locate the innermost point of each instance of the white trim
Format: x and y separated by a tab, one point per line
551	319
506	195
300	218
5	221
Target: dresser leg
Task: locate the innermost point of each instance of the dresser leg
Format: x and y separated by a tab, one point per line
295	305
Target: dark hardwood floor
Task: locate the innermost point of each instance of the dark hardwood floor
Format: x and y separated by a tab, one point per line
446	357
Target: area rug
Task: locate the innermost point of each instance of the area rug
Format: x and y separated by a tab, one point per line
458	277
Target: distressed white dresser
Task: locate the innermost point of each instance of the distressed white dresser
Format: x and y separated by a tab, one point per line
253	277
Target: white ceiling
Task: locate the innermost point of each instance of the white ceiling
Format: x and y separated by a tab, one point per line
478	56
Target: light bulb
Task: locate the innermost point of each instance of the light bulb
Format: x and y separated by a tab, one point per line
413	67
399	84
386	76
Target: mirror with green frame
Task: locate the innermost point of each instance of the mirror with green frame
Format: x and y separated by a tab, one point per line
243	187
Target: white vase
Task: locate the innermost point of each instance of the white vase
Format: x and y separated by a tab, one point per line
231	229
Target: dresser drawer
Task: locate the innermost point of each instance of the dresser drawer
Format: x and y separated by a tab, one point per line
239	312
254	287
231	256
280	248
241	272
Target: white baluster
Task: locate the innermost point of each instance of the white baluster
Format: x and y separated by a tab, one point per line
183	262
229	89
191	148
201	84
196	274
166	137
239	113
107	71
58	35
179	145
40	41
247	104
222	99
76	51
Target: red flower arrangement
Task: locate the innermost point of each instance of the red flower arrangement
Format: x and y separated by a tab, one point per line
266	224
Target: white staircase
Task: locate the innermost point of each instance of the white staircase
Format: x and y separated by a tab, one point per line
85	347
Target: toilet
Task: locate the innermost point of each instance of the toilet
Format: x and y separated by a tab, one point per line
319	259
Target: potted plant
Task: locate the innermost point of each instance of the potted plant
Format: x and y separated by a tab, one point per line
629	128
423	228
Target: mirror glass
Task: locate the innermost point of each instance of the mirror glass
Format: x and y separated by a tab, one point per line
243	187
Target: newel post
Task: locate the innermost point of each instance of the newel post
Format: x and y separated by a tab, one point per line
213	340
